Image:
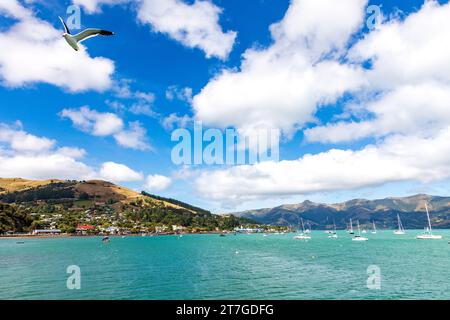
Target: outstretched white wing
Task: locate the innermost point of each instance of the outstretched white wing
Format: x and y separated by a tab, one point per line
89	33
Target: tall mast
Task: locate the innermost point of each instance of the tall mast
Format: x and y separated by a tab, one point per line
428	217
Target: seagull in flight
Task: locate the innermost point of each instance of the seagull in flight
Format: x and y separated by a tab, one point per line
83	35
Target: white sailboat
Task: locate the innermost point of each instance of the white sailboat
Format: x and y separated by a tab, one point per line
351	227
374	231
308	231
333	234
358	237
428	234
303	235
400	229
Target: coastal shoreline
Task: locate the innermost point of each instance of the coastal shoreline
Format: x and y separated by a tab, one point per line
111	236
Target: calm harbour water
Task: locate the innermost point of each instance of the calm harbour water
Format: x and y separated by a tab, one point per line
231	267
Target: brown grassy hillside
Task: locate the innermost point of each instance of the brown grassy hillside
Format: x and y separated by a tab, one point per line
99	190
18	184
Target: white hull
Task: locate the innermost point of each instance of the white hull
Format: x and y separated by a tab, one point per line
333	236
360	239
429	236
302	237
398	232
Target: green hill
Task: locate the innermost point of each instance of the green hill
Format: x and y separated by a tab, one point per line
28	204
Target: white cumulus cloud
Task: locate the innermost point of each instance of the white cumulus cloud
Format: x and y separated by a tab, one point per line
108	124
117	172
94	122
134	137
157	183
20	140
408	81
46	161
94	6
398	158
281	86
194	24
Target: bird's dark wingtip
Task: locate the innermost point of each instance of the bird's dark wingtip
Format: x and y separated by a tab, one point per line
106	33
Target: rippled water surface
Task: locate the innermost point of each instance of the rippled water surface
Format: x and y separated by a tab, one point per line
231	267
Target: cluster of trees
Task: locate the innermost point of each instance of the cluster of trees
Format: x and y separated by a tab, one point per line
11	218
202	219
176	202
57	190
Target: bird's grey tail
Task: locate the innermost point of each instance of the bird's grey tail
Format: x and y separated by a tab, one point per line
65	25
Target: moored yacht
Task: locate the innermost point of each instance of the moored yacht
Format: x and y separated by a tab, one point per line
358	237
400	229
333	234
350	230
303	235
428	233
374	231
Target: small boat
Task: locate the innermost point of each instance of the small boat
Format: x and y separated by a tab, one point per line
428	234
363	231
400	229
333	234
350	231
303	235
374	231
20	242
105	239
222	235
358	237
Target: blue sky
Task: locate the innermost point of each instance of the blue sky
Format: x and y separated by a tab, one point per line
355	75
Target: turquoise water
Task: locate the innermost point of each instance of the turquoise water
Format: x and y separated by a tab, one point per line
231	267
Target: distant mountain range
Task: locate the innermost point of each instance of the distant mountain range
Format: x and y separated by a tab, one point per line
383	212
